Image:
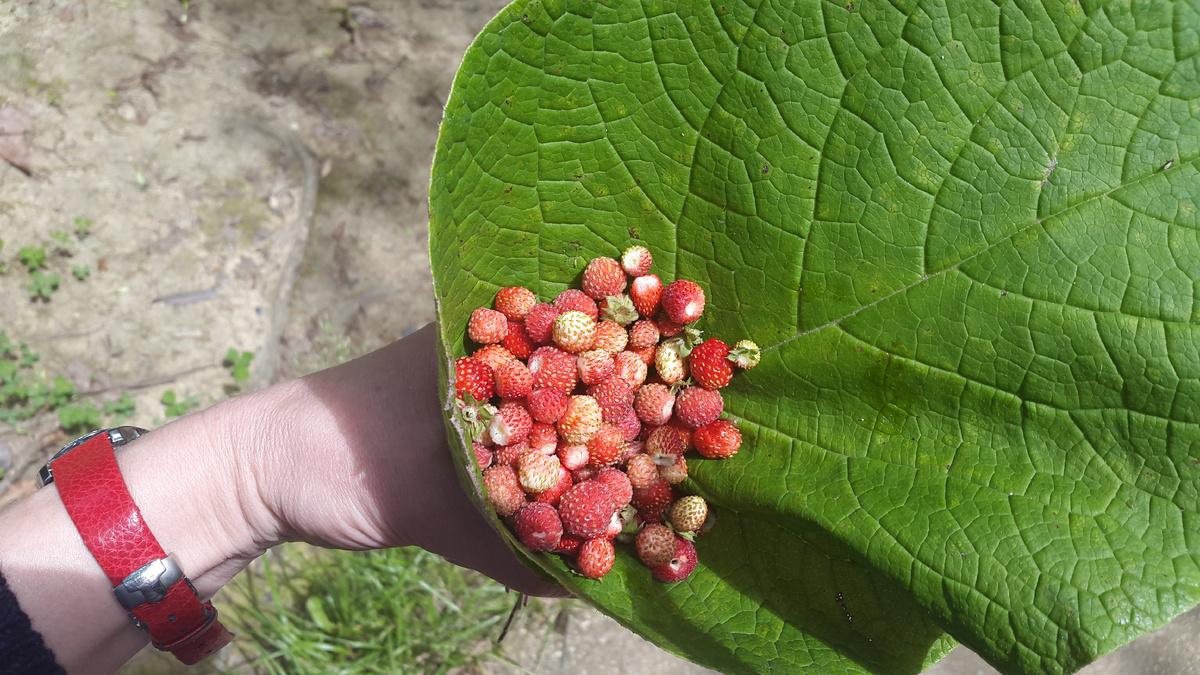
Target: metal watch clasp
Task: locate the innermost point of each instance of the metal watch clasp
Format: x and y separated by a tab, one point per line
149	584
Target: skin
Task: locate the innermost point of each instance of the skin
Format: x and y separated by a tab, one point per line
353	457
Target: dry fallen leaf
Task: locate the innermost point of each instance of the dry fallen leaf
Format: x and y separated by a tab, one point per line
14	124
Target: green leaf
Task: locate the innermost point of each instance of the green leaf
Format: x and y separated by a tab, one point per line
33	257
239	365
966	237
41	286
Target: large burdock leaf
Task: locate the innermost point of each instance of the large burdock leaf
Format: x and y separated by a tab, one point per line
966	234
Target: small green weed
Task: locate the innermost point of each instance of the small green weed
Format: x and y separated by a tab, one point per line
81	272
121	409
79	418
41	287
34	257
176	407
61	236
238	364
83	227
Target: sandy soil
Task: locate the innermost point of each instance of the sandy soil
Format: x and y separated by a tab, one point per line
256	176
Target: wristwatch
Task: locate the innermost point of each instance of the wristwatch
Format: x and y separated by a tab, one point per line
146	581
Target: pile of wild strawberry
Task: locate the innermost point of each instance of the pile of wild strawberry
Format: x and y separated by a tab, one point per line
585	445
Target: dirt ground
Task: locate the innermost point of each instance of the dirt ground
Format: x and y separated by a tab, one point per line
256	177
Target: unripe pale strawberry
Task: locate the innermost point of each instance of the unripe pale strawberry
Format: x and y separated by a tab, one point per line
513	380
654	404
655	545
618	309
517	341
574	331
688	514
636	261
613	395
594	366
554	369
664	446
675	473
539	322
487	326
709	364
718	439
515	302
603	277
696	406
510	425
681	565
642	471
543	438
581	421
683	301
554	494
606	446
494	356
578	301
596	558
586	509
630	368
538	472
646	293
617	484
669	365
643	334
473	377
610	337
503	489
573	455
538	526
745	354
546	404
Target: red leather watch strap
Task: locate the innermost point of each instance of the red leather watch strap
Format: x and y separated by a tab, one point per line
94	493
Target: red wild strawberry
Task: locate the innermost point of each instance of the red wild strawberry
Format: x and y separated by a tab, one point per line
709	365
596	558
517	341
610	337
581	421
641	471
636	261
538	472
576	300
643	334
543	438
718	439
614	526
513	380
473	377
586	509
668	363
652	500
483	454
584	473
654	404
745	354
617	484
619	309
655	545
696	406
594	366
508	455
493	356
612	394
664	446
546	405
515	302
539	322
560	488
627	421
682	564
487	326
688	514
606	446
574	331
573	456
569	544
676	473
510	425
683	301
538	526
603	277
646	355
632	448
666	327
503	489
685	433
553	368
630	368
646	293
